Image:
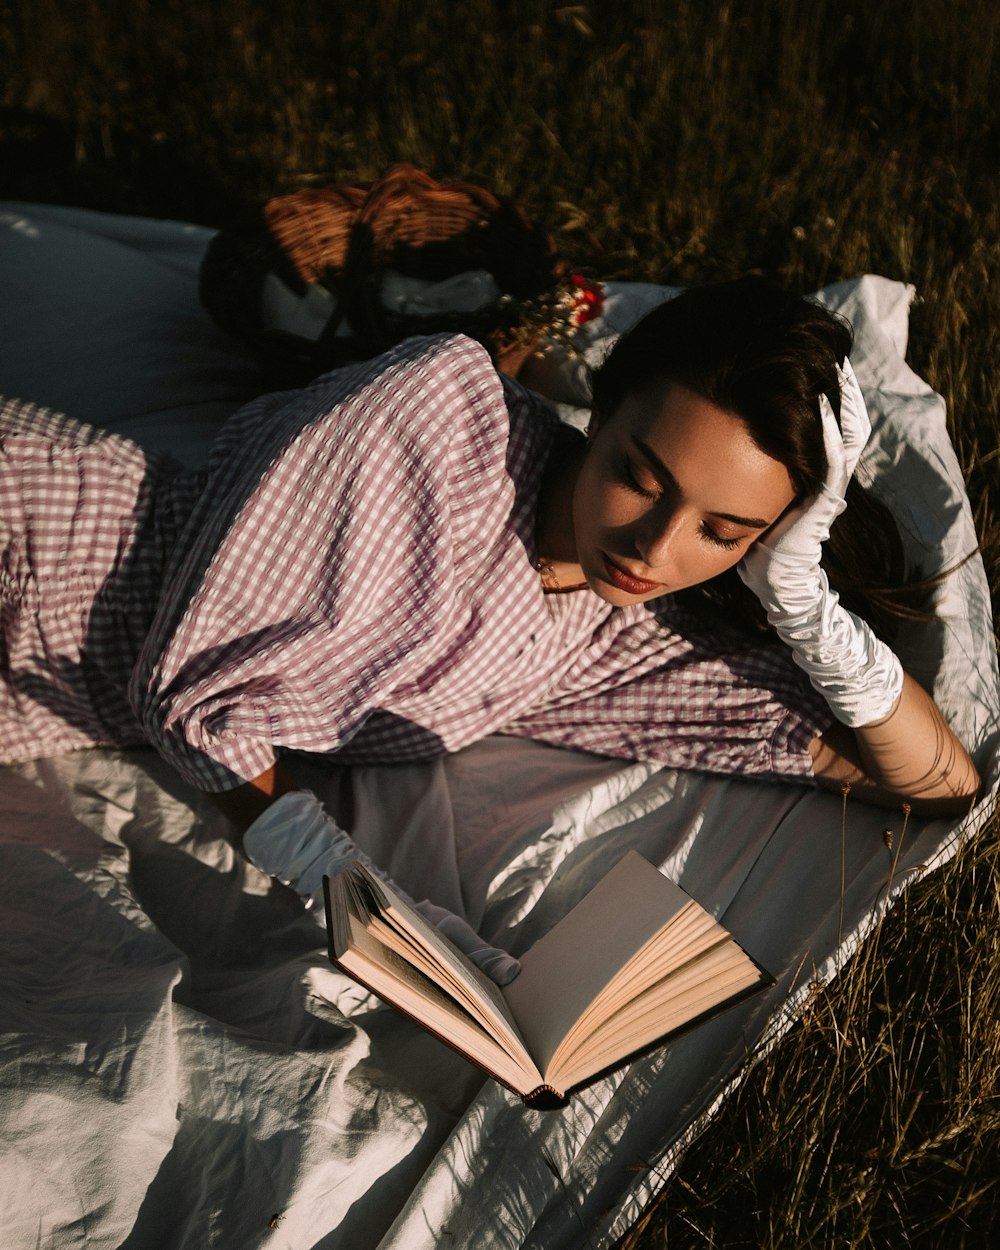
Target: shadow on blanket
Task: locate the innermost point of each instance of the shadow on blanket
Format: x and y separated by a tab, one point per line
178	1059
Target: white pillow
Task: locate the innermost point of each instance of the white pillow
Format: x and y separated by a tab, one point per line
100	319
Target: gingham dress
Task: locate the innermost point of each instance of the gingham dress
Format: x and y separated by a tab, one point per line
354	572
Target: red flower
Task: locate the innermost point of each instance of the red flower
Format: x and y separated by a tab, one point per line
588	299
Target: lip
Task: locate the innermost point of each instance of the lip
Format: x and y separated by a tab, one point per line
619	578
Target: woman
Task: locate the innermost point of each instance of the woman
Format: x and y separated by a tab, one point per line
407	555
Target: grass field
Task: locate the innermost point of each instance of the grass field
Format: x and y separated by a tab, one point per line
680	142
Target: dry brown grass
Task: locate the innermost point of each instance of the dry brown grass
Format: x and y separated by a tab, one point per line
807	139
876	1121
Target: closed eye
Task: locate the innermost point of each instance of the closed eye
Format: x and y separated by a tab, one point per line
627	476
709	535
629	479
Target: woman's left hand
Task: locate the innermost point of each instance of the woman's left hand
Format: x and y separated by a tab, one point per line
296	841
796	539
858	675
900	747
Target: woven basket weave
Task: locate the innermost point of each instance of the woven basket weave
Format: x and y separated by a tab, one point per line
344	239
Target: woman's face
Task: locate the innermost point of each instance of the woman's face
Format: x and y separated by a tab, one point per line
672	492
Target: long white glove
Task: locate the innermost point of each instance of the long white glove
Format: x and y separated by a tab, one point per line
858	675
297	842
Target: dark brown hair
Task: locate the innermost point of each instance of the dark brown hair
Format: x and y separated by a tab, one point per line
767	355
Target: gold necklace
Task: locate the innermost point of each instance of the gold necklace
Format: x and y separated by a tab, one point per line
550	581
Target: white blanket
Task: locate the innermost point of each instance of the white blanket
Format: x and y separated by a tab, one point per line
179	1062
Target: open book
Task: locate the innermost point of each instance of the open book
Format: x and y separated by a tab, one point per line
635	960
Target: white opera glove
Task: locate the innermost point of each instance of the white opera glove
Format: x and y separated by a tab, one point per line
858	675
297	842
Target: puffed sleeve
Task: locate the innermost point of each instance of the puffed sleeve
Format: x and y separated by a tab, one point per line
659	686
319	563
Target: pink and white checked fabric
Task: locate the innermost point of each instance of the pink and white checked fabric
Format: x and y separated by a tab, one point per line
354	572
86	520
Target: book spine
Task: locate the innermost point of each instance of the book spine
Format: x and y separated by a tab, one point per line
545	1098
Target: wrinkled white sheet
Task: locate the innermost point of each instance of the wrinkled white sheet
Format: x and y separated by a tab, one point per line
178	1060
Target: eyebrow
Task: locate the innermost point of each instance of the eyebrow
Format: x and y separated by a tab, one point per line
661	470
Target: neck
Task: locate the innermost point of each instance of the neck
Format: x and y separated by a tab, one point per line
555	538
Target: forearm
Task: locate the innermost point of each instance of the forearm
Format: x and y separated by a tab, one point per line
908	756
245	803
297	842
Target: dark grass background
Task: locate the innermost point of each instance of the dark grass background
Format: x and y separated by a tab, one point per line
676	142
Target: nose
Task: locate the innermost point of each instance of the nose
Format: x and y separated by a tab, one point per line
656	535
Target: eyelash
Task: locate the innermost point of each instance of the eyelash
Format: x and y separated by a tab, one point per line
717	540
629	479
631	482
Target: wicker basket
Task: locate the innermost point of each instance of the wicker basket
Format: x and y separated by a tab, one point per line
345	239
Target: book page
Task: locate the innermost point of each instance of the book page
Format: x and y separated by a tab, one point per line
698	988
398	983
567	968
396	926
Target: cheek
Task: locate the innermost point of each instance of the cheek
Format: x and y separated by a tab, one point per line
729	560
700	563
618	509
593	497
695	559
602	500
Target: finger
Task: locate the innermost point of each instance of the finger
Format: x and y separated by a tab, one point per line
855	424
838	469
498	965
